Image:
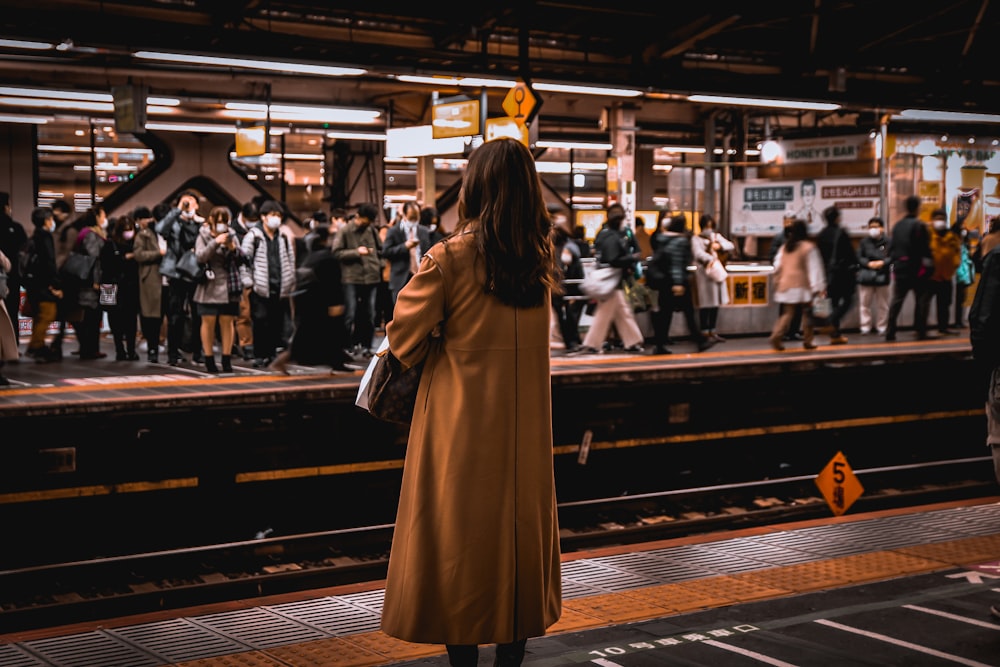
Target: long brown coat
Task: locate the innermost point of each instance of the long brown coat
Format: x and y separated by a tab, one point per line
8	337
475	553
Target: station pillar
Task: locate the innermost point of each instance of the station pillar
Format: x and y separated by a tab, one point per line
621	164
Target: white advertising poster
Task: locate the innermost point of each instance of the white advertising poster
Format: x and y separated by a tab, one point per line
758	206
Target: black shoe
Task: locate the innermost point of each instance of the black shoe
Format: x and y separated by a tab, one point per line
583	349
705	343
131	356
227	363
4	382
174	361
210	365
659	349
198	357
247	353
153	357
634	349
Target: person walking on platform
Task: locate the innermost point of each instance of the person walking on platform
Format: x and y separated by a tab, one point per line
795	326
42	284
841	263
799	276
946	252
874	277
672	255
984	335
612	248
910	256
475	552
8	341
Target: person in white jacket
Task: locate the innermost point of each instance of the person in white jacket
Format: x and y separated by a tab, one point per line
271	284
708	247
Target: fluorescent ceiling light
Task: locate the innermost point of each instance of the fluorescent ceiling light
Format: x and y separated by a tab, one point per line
56	94
363	136
468	81
248	63
163	101
543	167
577	145
300	113
682	149
586	90
952	116
201	127
58	148
761	102
34	120
23	44
57	104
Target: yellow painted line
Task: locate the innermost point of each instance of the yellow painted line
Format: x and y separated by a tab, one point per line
860	422
97	490
318	471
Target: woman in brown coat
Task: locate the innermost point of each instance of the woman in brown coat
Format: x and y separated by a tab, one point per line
8	337
475	553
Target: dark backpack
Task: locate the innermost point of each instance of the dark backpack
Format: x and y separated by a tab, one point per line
27	260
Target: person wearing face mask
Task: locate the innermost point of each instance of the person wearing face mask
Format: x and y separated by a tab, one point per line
90	241
405	244
946	251
270	251
42	283
218	298
430	219
873	279
119	267
180	228
358	248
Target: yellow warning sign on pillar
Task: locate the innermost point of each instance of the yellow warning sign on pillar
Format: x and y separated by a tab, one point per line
521	103
839	485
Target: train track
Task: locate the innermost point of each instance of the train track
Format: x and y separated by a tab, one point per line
72	592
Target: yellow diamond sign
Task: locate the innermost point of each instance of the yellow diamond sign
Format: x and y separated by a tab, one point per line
521	103
839	485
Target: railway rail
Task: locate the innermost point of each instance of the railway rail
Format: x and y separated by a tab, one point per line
85	590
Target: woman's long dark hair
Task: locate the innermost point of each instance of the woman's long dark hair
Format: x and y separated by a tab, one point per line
502	204
795	233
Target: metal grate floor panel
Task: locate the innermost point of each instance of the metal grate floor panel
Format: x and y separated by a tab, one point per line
746	561
259	628
331	615
178	639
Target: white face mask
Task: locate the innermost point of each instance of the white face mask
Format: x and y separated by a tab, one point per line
50	226
272	221
128	234
221	228
940	224
874	232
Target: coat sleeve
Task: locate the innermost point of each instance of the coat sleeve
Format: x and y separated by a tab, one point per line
419	309
817	271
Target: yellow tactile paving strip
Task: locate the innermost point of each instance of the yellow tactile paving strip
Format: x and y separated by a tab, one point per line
648	603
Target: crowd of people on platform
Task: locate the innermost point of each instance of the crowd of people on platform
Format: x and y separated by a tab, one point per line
276	296
195	280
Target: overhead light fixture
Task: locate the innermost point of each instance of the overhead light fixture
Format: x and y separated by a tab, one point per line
250	63
576	145
25	44
543	167
57	104
763	102
299	113
32	120
363	136
201	127
458	81
586	90
949	116
47	94
682	149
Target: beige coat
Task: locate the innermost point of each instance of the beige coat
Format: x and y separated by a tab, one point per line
8	337
475	553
